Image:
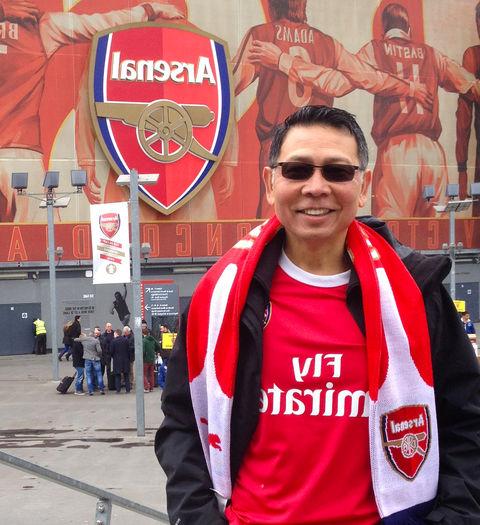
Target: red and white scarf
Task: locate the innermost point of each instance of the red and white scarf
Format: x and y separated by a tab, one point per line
402	419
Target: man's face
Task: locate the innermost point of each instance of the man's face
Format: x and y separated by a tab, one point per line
315	212
96	332
466	317
108	327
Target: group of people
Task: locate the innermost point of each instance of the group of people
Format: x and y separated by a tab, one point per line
111	351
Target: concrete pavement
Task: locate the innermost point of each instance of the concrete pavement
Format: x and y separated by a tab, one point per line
90	438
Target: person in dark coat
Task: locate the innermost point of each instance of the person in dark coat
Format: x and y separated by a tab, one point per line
78	363
119	349
105	341
73	331
128	334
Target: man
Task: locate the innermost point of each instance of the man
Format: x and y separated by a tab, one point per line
78	362
28	44
465	110
268	52
121	360
150	349
97	335
92	353
40	336
355	412
128	334
105	341
409	154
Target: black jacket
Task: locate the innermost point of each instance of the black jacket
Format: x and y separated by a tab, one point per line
120	352
105	341
77	355
190	499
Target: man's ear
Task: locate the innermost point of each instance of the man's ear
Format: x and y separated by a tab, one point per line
268	176
366	180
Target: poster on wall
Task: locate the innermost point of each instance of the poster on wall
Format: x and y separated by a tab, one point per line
406	72
110	243
160	304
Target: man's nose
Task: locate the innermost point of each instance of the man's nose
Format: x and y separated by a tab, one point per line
317	184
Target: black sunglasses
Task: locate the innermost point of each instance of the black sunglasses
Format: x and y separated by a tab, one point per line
295	170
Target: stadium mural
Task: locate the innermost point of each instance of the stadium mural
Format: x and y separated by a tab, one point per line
192	90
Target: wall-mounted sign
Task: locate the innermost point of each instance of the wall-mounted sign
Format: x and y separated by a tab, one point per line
161	102
160	305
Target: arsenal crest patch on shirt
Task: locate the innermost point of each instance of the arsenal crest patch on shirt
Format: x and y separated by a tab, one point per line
406	438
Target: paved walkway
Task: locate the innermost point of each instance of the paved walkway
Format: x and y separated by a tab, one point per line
90	438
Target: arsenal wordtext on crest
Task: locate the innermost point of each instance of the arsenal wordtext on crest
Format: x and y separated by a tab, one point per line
109	224
161	102
406	438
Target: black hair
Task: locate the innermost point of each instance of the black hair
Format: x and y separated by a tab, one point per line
323	116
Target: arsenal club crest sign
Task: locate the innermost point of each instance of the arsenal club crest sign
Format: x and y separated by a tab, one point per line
161	102
109	224
406	438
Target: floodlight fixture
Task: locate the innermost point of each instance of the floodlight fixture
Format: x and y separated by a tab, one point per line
145	250
475	189
453	190
19	181
458	205
51	179
78	178
428	192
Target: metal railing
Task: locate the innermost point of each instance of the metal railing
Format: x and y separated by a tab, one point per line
106	499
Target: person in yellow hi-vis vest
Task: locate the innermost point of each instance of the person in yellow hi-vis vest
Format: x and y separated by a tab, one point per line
40	336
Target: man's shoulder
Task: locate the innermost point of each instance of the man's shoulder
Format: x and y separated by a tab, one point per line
426	269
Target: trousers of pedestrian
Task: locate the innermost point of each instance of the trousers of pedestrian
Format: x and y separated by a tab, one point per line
79	379
67	351
118	381
148	376
93	367
41	344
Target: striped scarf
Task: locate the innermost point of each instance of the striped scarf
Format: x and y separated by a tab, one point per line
402	419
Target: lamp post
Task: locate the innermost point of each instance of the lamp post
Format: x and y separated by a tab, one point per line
132	180
453	205
51	200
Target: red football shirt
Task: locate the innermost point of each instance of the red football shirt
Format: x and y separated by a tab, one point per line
308	461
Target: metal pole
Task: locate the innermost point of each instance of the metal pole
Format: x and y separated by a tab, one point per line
137	316
53	290
452	253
